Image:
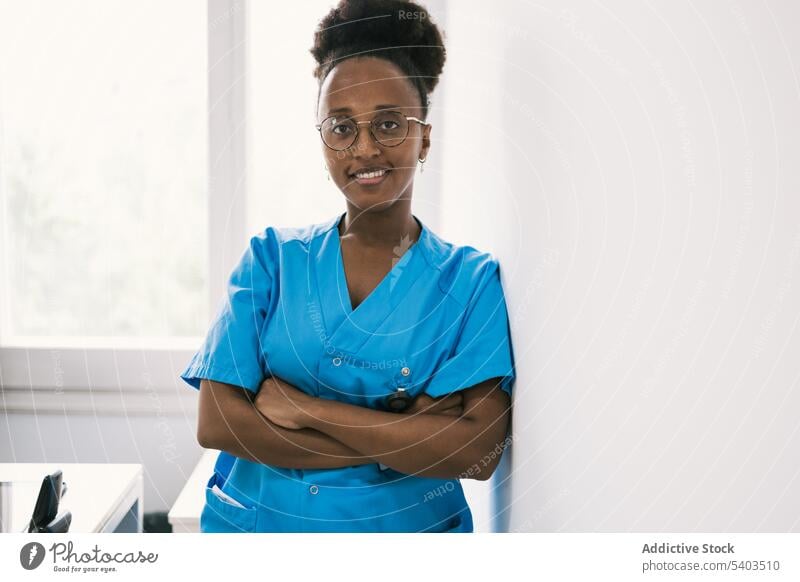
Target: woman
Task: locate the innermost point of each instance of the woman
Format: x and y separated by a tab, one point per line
359	367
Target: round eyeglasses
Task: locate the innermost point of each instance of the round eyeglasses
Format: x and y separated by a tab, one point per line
388	128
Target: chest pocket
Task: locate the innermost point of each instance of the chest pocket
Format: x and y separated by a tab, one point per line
299	350
389	362
365	381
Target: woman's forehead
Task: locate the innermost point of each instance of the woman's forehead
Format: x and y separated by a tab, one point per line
360	85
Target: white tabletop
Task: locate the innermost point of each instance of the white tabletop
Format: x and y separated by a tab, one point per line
97	493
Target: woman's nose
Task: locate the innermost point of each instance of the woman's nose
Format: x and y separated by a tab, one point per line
365	144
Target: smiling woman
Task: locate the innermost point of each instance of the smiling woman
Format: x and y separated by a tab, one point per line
376	63
361	366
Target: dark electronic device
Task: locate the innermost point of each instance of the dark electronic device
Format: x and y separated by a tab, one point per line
399	400
46	518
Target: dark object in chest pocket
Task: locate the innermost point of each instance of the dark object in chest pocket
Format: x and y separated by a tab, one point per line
381	385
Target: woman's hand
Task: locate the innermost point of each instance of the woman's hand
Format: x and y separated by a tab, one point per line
282	403
450	405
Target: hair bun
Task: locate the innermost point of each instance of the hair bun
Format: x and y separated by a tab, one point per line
397	30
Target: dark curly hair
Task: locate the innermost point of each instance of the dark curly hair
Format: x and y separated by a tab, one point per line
399	31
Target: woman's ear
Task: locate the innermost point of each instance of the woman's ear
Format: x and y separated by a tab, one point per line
426	142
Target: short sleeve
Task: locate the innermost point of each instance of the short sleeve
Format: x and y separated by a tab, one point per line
483	347
231	352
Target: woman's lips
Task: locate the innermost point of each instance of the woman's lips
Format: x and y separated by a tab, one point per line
372	181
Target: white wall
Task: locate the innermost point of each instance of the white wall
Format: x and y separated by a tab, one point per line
634	168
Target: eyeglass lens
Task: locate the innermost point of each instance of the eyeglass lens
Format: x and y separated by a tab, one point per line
389	128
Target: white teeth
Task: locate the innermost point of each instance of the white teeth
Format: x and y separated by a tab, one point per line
368	175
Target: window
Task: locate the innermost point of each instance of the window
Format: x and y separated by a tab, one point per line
103	171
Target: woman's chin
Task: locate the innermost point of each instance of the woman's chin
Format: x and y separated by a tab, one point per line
368	200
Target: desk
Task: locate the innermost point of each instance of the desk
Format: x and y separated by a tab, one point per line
184	517
103	498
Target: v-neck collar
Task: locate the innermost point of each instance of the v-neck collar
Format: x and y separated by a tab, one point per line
391	278
348	328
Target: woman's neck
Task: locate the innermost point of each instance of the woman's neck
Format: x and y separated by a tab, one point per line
380	228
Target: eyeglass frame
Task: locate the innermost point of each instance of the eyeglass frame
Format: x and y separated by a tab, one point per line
375	139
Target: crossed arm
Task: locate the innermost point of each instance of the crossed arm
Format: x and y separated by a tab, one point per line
455	436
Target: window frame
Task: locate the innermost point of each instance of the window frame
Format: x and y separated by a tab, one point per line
89	375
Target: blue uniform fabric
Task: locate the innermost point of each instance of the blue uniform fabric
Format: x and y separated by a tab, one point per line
436	323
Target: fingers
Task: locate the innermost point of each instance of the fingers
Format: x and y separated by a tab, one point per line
445	402
452	411
450	405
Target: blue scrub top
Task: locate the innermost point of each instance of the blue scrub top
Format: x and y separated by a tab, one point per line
436	323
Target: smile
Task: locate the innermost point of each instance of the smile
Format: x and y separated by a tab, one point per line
371	177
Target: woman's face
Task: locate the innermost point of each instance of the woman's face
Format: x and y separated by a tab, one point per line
357	88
